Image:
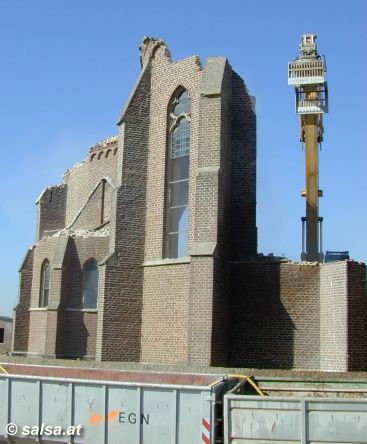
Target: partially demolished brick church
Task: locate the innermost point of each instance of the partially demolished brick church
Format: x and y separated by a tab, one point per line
147	250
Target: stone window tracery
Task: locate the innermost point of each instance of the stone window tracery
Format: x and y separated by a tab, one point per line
177	175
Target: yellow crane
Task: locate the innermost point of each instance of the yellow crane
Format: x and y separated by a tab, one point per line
306	74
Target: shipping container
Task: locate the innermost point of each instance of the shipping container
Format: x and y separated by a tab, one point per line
138	410
111	406
293	420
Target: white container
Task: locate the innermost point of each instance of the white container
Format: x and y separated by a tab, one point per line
113	412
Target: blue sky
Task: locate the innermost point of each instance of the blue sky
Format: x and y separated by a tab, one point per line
67	66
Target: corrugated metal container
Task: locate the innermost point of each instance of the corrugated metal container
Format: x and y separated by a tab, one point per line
141	407
266	420
113	412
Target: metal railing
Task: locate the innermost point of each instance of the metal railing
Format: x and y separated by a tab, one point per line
305	71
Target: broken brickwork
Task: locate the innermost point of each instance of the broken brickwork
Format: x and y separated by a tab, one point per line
220	304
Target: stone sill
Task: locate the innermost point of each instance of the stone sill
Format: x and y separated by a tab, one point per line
33	354
168	261
84	310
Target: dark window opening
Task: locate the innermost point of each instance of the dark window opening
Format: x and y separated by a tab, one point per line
90	284
45	284
103	197
2	335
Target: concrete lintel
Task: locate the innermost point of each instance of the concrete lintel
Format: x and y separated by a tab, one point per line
50	307
211	82
203	248
27	354
53	306
167	261
82	310
213	170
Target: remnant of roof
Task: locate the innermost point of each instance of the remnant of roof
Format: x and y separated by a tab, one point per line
104	143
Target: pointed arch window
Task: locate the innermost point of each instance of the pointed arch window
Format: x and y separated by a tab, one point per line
90	284
177	175
45	284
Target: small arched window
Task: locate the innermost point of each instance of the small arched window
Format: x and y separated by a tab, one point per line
177	175
45	284
90	284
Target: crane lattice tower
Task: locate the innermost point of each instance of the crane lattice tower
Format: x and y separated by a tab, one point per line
306	74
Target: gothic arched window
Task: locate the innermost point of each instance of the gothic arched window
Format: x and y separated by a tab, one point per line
45	284
177	175
90	284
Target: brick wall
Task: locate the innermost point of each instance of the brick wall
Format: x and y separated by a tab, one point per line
21	310
357	316
96	210
166	78
298	315
80	251
166	286
77	327
42	327
208	312
51	330
208	284
334	317
219	306
220	316
274	310
45	249
78	200
136	196
343	316
82	179
51	210
80	334
37	331
119	319
299	287
215	136
165	314
243	232
82	199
